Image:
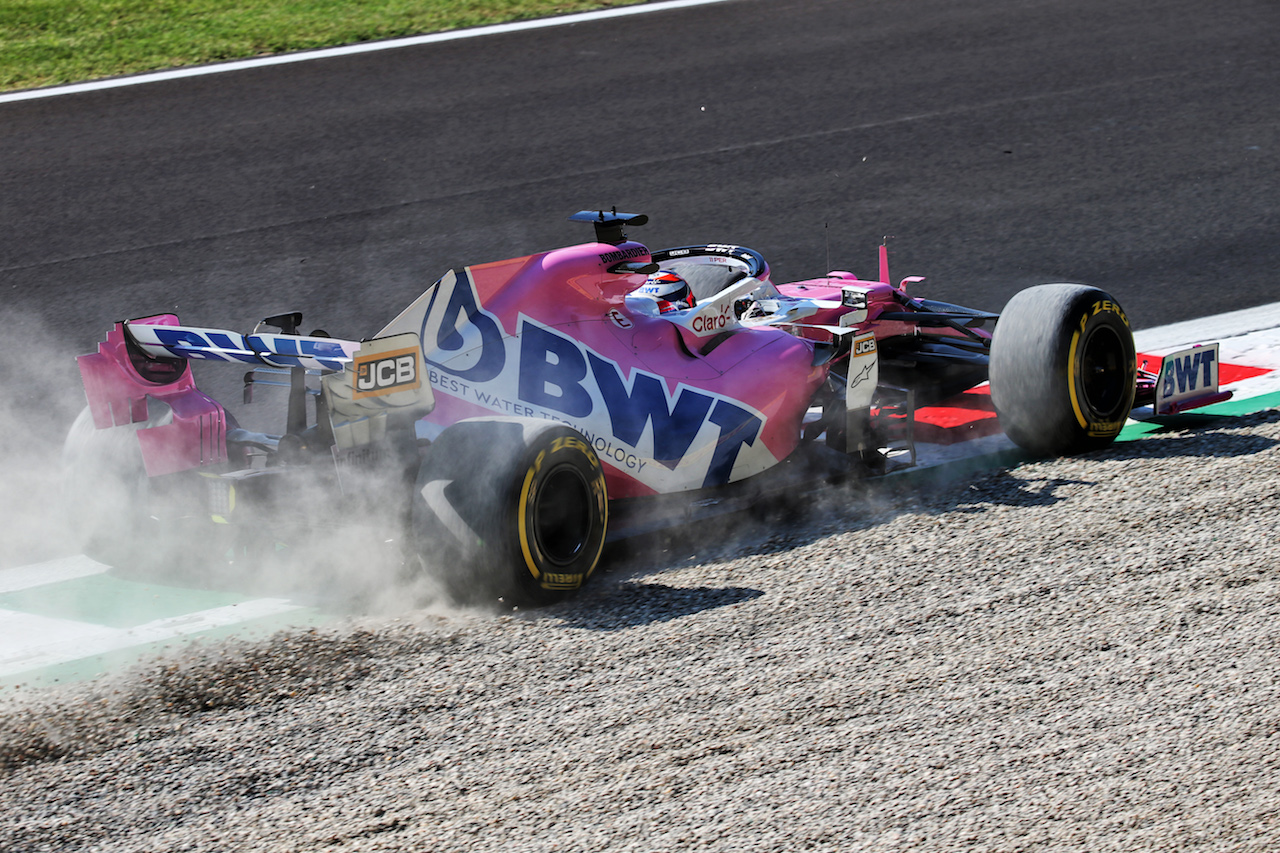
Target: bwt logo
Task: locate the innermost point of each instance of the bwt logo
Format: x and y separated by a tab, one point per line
558	374
386	373
1180	375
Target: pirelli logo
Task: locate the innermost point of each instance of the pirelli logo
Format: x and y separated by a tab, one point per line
386	373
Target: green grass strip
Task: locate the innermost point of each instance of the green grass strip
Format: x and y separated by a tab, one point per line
47	42
1201	417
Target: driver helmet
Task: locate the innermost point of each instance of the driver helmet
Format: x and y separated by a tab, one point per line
670	291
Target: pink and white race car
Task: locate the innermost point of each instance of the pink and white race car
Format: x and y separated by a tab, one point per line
521	412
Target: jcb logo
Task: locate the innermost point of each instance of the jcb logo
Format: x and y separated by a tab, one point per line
864	346
386	373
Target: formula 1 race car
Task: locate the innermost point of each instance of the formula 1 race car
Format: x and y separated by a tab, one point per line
518	410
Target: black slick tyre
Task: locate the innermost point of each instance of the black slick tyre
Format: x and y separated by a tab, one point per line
510	508
1063	369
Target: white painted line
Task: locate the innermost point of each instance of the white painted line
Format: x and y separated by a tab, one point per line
53	571
1220	327
353	49
204	620
1255	386
1249	337
24	633
54	641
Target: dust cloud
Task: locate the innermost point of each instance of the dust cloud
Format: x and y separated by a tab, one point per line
319	551
340	558
40	395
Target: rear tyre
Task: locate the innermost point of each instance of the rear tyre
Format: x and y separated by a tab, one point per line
1063	369
510	508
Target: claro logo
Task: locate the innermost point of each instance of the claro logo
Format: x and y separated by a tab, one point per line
712	322
386	373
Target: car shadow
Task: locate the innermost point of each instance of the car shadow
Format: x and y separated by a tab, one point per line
630	603
1186	435
783	524
1007	489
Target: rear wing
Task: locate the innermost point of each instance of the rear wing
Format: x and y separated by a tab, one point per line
140	375
165	340
124	385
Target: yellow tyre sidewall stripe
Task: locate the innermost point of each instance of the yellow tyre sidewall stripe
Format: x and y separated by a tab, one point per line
522	513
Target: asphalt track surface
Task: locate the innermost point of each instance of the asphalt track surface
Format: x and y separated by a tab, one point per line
1132	145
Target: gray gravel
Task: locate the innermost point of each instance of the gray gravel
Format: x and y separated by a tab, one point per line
1072	655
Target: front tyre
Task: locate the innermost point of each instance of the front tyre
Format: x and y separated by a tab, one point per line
510	508
1063	369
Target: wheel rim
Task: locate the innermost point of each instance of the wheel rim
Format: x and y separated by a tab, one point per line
562	515
1103	377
